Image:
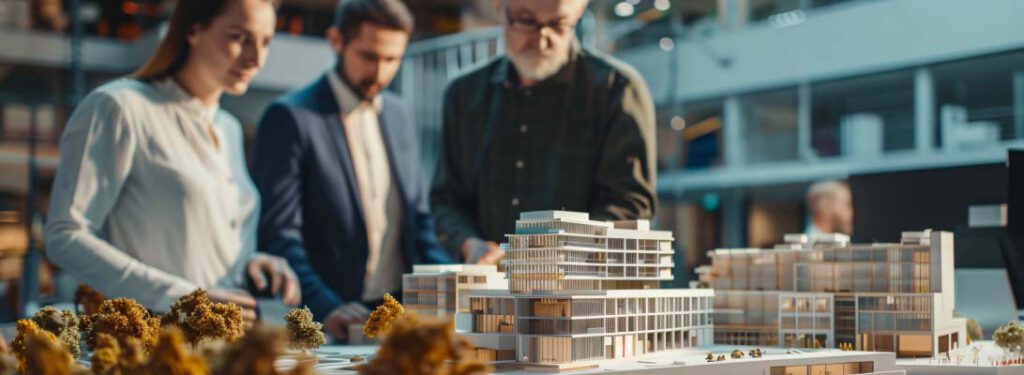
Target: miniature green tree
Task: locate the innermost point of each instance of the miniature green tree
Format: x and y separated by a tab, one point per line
63	324
303	332
1009	336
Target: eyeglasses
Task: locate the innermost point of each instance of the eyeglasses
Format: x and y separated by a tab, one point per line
529	25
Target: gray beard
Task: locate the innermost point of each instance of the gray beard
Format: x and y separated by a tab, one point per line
538	69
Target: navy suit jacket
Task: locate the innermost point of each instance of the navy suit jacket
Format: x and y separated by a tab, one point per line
312	215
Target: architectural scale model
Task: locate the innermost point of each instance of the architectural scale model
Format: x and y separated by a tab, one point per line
829	293
436	290
580	291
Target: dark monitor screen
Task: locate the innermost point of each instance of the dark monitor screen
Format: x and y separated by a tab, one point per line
886	204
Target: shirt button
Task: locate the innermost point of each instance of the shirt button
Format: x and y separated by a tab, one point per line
527	92
234	223
523	128
515	202
520	164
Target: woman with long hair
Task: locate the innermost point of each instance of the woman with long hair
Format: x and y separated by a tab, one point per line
152	197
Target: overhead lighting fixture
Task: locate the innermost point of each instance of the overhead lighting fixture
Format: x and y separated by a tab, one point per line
678	123
624	9
662	5
787	19
666	44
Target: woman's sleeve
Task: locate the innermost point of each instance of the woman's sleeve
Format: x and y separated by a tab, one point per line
97	149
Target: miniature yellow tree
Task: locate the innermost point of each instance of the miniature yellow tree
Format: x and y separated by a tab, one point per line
170	357
382	317
200	319
44	355
26	329
255	353
8	364
429	347
105	354
123	319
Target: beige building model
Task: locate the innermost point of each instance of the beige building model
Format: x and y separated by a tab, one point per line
580	291
830	293
436	289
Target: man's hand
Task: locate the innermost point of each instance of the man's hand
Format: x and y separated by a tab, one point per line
283	281
238	297
337	322
477	251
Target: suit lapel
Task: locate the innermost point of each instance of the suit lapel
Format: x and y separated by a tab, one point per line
389	129
336	131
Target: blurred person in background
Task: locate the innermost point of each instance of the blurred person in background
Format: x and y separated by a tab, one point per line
337	165
549	125
152	198
830	206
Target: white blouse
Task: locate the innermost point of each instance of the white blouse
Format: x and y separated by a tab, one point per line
147	203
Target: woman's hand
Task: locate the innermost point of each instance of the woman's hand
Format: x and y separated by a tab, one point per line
283	281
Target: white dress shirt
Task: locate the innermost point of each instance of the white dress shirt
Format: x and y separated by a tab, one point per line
378	195
152	197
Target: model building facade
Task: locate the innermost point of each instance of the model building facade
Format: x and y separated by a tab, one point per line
581	290
829	293
436	289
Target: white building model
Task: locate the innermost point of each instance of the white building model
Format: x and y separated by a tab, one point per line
580	291
829	293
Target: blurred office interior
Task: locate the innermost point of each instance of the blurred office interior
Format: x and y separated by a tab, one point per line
756	99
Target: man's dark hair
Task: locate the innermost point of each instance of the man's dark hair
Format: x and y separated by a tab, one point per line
351	14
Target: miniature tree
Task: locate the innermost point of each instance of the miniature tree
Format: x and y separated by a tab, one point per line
382	317
45	355
736	354
200	319
303	332
1009	336
26	329
254	354
105	355
63	324
430	347
710	357
89	299
123	318
8	365
170	357
721	358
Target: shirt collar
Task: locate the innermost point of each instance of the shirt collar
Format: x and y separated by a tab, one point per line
348	101
175	92
505	73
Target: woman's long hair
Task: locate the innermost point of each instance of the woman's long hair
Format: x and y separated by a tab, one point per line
172	53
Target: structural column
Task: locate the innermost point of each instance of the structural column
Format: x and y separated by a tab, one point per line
1018	104
924	110
805	151
732	128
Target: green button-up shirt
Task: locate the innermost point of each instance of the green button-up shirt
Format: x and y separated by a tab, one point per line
582	140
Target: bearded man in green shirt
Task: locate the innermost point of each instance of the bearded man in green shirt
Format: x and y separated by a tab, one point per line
549	125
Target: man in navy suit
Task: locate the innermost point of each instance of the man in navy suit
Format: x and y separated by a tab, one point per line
344	196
